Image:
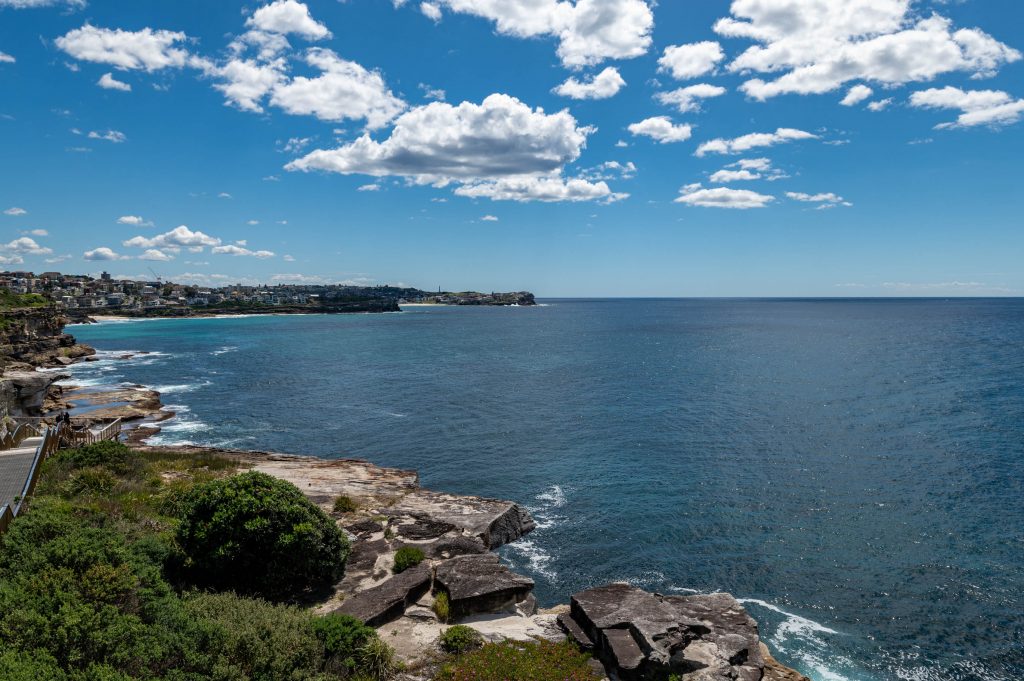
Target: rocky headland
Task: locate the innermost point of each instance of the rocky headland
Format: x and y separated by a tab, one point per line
632	633
33	350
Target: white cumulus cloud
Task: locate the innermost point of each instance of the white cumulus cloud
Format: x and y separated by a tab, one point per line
6	58
588	31
687	99
722	197
691	61
179	237
102	253
286	17
819	45
498	148
108	82
232	249
856	95
824	200
146	49
601	86
15	211
344	90
753	141
993	108
662	129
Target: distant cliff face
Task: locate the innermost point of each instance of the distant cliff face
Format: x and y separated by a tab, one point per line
35	336
31	338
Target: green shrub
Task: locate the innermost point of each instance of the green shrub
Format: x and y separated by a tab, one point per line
342	638
540	661
258	535
377	659
460	639
344	504
113	455
407	557
18	666
254	639
442	606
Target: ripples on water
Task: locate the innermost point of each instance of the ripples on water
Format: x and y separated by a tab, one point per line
851	469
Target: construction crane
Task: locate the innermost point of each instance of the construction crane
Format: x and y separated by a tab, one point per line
159	279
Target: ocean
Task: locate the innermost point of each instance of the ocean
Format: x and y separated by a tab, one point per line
853	470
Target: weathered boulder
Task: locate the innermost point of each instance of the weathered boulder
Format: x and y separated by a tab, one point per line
640	635
24	393
494	521
388	601
480	584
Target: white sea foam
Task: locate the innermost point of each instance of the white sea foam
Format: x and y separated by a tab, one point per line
554	496
181	388
807	641
225	350
538	561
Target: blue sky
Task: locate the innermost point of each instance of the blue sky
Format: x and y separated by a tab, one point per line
569	147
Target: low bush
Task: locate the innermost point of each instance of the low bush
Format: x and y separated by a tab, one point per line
112	455
540	661
345	504
343	638
442	606
407	557
460	639
377	659
258	535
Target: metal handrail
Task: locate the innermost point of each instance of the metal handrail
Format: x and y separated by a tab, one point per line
20	434
49	445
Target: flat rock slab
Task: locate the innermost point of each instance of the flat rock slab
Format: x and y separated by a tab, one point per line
480	584
388	601
494	521
700	638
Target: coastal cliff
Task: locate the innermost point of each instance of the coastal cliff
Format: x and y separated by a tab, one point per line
31	338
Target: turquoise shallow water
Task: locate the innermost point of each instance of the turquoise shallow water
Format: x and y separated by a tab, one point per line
854	470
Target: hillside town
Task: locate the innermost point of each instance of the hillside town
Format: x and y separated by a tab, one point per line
107	295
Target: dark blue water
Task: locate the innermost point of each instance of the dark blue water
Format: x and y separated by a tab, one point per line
855	469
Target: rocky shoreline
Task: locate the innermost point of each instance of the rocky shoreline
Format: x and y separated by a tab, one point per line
633	634
33	350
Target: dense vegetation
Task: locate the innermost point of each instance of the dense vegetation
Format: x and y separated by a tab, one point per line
258	535
10	300
94	587
540	661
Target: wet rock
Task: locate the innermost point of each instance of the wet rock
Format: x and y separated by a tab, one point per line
701	638
480	584
388	601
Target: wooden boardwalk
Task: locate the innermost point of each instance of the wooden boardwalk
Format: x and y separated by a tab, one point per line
15	465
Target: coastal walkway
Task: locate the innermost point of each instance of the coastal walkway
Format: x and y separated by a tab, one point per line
23	452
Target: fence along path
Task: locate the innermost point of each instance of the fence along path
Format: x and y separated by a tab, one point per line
23	452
